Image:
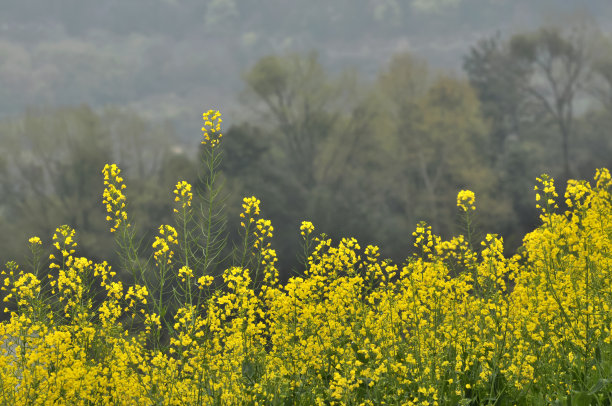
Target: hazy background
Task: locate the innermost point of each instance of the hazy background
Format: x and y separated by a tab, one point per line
170	59
365	116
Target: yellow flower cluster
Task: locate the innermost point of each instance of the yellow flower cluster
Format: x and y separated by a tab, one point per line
264	230
547	187
24	287
167	236
306	228
63	241
465	200
183	194
452	326
61	355
35	241
204	281
250	206
212	128
113	197
184	273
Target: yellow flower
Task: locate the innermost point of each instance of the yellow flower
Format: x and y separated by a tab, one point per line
183	194
113	197
306	228
250	206
35	241
167	236
465	200
185	272
212	128
205	280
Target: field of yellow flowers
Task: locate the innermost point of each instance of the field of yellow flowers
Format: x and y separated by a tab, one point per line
457	323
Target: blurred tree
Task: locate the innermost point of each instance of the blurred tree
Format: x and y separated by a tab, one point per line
498	79
559	63
367	163
448	147
401	89
243	146
297	96
317	132
603	89
600	86
53	164
51	175
436	140
597	148
528	82
316	122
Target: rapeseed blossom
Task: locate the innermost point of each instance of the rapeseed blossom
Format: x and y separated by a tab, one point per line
465	200
35	241
306	228
250	206
162	244
212	128
183	194
113	197
455	323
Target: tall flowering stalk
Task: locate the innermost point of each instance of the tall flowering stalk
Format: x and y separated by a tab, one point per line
212	202
115	202
248	219
113	197
466	204
187	252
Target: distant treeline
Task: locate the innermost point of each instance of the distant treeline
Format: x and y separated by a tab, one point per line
368	159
